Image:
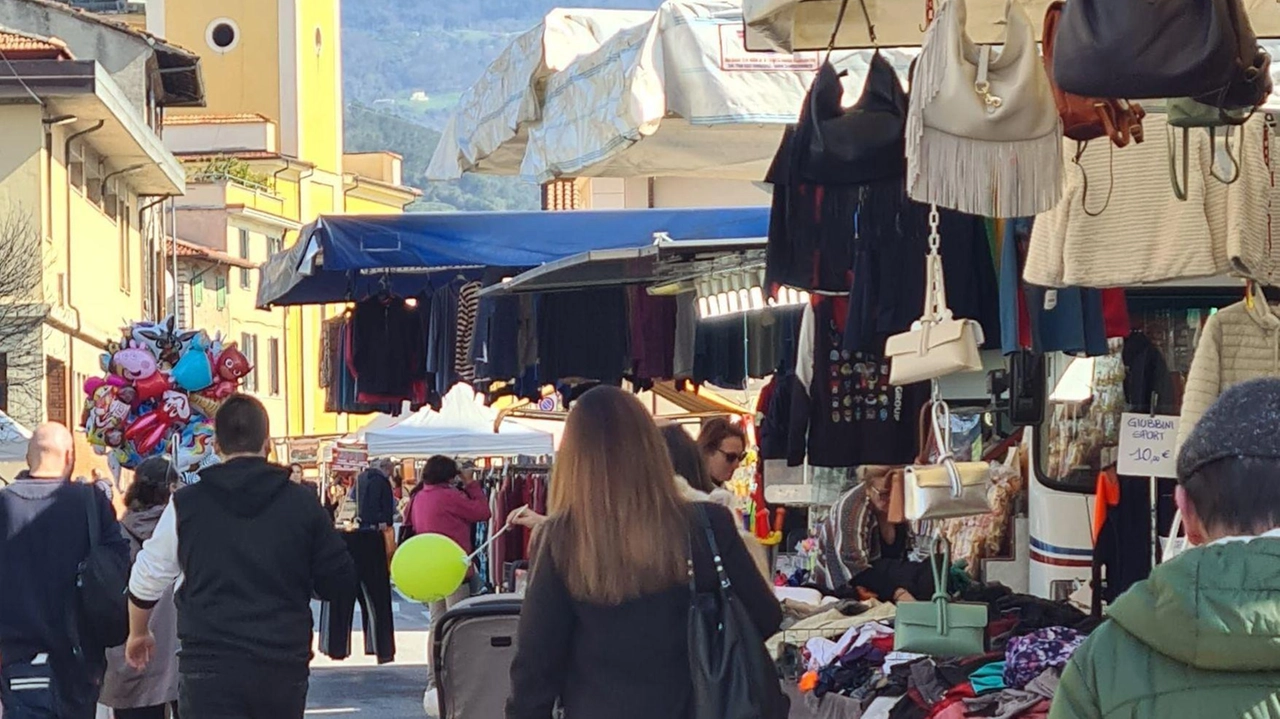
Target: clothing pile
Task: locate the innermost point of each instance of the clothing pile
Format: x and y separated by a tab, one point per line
859	675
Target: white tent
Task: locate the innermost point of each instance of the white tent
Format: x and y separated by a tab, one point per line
678	95
380	421
463	427
13	446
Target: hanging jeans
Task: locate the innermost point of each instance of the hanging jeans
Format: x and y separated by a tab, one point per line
368	549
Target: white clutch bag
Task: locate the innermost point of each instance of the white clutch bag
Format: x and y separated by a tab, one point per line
937	344
949	488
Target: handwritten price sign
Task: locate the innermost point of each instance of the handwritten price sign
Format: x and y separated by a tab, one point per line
1147	445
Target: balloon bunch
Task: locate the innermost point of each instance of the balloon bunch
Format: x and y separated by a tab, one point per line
159	395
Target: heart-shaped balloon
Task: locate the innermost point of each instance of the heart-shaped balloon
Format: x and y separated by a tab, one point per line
193	372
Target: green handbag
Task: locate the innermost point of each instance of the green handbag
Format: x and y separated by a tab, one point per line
1186	113
941	627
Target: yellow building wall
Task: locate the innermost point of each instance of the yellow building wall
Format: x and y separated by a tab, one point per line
320	83
245	79
363	206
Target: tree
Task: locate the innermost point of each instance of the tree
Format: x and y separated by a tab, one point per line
22	312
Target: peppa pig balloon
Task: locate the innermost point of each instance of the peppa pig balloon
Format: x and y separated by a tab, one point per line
133	363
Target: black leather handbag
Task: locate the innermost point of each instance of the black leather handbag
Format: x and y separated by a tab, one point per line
1205	50
859	144
733	675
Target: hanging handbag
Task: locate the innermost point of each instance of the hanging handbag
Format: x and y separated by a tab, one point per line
1186	113
1089	118
941	627
937	344
983	134
1203	49
860	144
733	675
947	488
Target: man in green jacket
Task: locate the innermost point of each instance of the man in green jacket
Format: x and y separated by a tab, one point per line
1200	639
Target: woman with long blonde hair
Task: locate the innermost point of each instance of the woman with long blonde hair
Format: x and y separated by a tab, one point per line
603	628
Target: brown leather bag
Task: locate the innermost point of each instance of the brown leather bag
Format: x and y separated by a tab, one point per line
1089	118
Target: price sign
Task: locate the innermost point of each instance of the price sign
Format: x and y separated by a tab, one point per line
1147	445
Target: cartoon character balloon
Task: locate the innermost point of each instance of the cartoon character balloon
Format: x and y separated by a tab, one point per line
231	366
149	430
133	363
164	340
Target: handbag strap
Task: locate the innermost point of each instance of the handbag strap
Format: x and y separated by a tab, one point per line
935	290
941	549
704	523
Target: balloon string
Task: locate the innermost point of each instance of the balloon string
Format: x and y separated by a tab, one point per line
492	538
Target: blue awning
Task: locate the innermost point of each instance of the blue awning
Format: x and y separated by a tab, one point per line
339	258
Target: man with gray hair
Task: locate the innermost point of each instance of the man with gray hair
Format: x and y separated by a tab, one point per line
1201	636
47	666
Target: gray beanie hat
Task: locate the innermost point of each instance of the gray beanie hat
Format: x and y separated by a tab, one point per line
1243	423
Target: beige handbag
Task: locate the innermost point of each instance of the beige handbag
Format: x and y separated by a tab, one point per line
949	488
937	344
983	133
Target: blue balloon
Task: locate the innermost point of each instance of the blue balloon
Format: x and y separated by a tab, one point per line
194	372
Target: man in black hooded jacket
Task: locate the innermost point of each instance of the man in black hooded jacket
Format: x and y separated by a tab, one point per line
248	548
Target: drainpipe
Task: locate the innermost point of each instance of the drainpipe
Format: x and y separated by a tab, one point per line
348	190
157	288
66	154
302	398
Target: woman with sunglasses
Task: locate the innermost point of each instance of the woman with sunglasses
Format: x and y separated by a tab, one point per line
724	447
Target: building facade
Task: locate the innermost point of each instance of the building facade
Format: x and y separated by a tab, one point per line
265	157
83	175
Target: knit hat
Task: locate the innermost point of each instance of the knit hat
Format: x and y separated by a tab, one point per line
1243	423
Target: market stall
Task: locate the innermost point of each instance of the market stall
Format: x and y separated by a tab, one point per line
463	427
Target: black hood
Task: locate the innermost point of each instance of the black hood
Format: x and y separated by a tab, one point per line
245	485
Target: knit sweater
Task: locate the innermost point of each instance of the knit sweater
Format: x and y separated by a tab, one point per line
1146	234
1238	343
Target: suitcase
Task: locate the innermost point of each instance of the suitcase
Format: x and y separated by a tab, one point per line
473	646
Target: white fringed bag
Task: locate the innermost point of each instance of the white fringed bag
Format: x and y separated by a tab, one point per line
983	133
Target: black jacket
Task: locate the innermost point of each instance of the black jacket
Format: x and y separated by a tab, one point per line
43	538
253	547
628	661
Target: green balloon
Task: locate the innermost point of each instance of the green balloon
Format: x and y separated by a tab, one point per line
429	567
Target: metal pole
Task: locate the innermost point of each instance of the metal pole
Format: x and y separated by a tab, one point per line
173	215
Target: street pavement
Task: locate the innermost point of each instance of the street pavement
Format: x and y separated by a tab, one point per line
358	687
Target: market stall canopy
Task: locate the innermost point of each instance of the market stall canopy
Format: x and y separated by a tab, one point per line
678	96
379	421
795	25
495	110
667	264
343	258
463	427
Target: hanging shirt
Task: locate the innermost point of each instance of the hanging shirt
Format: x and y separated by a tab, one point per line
653	334
583	333
387	346
844	412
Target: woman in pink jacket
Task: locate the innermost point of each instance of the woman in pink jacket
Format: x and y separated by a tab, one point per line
447	501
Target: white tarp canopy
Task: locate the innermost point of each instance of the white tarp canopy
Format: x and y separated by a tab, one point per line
13	447
463	427
790	25
487	131
679	95
379	421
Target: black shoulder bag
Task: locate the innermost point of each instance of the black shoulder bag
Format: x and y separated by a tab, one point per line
733	676
102	610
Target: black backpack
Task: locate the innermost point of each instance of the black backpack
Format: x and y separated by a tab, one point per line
101	607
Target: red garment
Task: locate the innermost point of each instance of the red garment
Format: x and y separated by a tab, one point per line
955	696
884	644
1115	312
445	509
